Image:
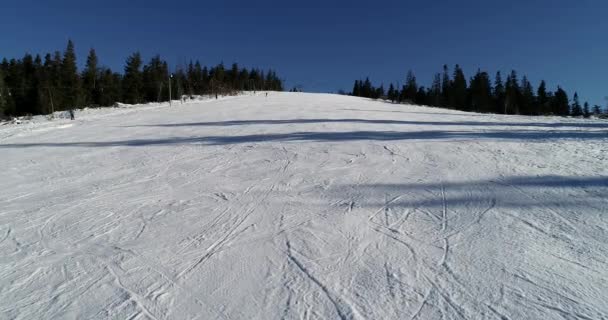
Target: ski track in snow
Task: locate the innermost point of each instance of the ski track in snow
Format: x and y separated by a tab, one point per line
304	206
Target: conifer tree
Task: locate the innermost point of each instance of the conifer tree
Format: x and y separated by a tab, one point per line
57	91
219	74
155	78
33	85
110	86
597	110
481	92
512	94
197	79
254	76
421	97
70	80
357	89
234	76
9	107
445	87
527	98
366	90
576	110
379	92
435	92
206	88
3	95
392	94
180	81
542	98
586	111
410	89
39	81
243	79
458	94
133	83
90	77
27	90
45	89
499	94
560	104
267	81
189	79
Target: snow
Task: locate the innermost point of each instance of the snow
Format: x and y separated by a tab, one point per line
26	124
307	206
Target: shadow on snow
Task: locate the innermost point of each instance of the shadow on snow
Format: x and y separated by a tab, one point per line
337	137
601	125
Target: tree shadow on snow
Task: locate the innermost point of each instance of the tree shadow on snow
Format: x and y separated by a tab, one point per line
600	125
497	135
511	192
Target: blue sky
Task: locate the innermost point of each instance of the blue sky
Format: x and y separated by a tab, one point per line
326	45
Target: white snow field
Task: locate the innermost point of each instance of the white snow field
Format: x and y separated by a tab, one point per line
304	206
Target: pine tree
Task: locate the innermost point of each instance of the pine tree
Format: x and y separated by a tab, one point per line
458	94
379	92
512	94
234	76
110	86
481	92
219	74
90	77
243	79
560	105
576	110
260	80
25	79
499	94
252	82
411	88
206	87
527	98
70	80
586	111
3	96
9	101
435	92
55	81
267	81
421	97
197	80
366	89
180	81
597	110
133	83
543	99
40	82
391	93
44	85
445	87
357	89
155	78
28	92
189	79
32	85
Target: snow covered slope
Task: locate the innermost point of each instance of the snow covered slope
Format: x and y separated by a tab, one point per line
305	206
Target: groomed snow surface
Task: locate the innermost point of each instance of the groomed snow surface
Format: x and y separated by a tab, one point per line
304	206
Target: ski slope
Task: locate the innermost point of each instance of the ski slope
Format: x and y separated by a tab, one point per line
304	206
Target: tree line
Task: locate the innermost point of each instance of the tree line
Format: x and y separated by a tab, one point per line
480	94
42	85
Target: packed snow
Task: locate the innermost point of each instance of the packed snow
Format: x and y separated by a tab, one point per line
303	206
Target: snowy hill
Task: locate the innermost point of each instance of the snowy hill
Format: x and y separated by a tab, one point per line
304	206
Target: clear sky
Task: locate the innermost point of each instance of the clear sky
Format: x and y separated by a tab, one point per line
326	45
